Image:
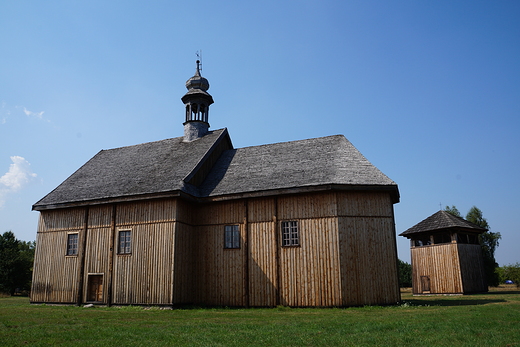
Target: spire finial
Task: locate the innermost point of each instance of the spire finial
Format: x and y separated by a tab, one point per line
197	73
199	62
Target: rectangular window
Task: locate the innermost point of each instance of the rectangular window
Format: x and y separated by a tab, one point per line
467	238
290	234
125	242
441	238
72	244
422	240
231	236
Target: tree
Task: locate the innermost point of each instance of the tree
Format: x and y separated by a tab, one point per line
452	210
474	216
510	272
16	260
489	242
405	274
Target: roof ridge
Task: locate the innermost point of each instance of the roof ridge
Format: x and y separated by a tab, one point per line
156	141
294	141
461	219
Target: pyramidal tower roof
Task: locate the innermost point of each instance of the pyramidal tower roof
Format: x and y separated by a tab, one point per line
442	220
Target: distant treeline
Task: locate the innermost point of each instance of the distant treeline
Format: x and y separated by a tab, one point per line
16	264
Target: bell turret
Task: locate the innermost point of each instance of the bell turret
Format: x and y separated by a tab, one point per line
197	101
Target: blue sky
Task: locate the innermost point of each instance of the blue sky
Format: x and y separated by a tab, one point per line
428	91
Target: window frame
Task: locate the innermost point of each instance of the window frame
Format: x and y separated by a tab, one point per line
232	236
72	240
290	231
124	247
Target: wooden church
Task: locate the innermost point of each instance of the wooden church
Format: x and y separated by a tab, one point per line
193	220
446	256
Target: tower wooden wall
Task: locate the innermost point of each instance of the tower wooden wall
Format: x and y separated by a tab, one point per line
448	268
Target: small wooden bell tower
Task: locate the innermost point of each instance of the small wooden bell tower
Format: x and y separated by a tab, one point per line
446	256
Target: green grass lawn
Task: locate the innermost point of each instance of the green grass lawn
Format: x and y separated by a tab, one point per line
491	319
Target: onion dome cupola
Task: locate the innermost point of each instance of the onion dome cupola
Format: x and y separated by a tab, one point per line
197	101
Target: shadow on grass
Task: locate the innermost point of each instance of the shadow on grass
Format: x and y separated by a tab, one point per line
494	295
452	302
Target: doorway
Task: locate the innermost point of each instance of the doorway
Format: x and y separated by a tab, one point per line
95	288
425	284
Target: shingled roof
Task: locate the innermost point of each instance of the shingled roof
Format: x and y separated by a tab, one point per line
131	172
163	168
327	161
441	221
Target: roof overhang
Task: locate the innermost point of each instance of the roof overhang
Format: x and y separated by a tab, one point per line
105	201
442	230
391	189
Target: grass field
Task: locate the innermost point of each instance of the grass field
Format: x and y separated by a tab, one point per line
491	319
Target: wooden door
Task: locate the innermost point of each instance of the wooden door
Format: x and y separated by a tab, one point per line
425	284
95	288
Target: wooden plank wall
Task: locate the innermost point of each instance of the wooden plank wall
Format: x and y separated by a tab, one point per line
97	247
263	284
350	261
183	285
309	274
439	262
346	256
263	252
55	275
472	268
220	272
146	275
368	249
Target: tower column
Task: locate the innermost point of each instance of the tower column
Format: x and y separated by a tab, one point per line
197	101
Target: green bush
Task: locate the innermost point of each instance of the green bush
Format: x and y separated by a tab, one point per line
510	272
405	274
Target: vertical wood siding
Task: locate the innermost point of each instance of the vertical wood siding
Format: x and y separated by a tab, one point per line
145	276
439	262
472	268
367	248
261	210
220	272
97	257
184	280
365	204
185	212
309	274
156	211
55	275
100	216
97	248
346	256
263	284
368	261
263	248
221	213
307	206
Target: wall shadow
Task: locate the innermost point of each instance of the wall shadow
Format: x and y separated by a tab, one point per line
451	302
